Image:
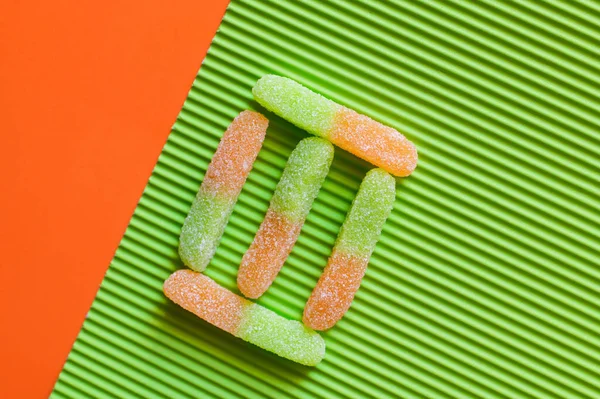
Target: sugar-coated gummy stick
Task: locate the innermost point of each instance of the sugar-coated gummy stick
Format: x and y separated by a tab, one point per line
334	292
217	305
299	185
225	176
381	145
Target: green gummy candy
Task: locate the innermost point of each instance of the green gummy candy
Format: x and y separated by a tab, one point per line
302	178
203	228
370	209
287	338
295	103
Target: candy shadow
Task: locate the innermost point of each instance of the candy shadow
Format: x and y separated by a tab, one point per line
280	130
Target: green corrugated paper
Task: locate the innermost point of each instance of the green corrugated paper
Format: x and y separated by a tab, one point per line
486	281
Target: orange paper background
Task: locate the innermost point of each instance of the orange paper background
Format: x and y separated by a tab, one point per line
88	93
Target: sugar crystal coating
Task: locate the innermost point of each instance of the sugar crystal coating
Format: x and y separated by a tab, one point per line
366	138
224	179
381	145
367	215
272	244
302	178
295	103
203	228
236	154
299	185
286	338
208	300
335	290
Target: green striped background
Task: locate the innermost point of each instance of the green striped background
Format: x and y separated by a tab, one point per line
486	281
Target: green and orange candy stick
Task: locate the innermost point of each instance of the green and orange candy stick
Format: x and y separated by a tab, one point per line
222	184
299	185
253	323
335	290
366	138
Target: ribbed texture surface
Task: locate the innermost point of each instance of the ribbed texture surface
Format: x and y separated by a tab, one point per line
486	282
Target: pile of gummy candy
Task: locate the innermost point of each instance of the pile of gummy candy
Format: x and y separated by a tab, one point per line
302	177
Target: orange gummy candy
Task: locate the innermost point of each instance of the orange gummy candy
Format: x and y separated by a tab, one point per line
205	298
373	141
335	290
236	154
265	257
